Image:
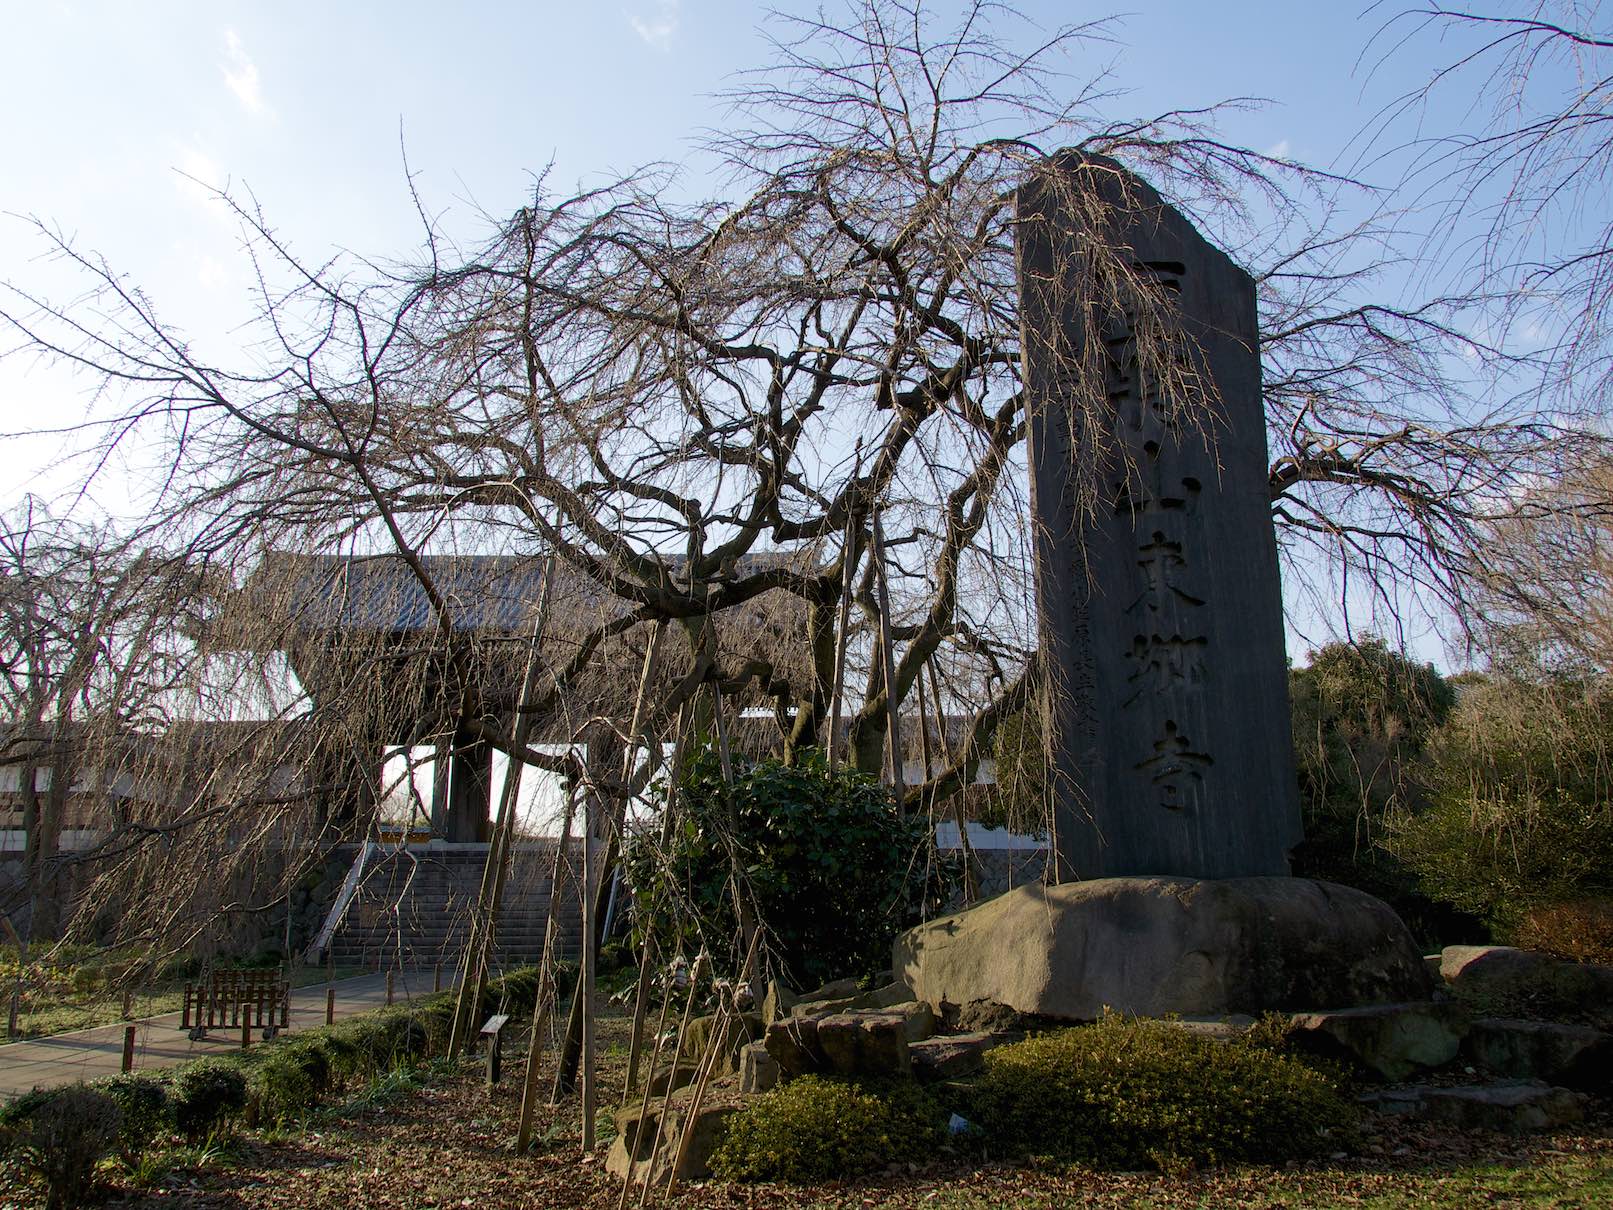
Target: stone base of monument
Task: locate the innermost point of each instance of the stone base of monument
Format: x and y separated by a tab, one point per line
1153	946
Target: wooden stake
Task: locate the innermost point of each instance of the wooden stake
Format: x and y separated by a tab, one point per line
246	1024
893	734
389	975
330	1006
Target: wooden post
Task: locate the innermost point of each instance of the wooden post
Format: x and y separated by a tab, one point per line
184	1015
246	1024
436	978
330	1006
128	1049
389	989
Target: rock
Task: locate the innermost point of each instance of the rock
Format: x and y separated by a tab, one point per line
758	1069
793	1043
1514	1108
1216	1029
778	1002
1154	946
1500	981
890	994
1390	1040
678	1077
918	1017
951	1056
1576	1056
746	1027
835	989
865	1043
636	1136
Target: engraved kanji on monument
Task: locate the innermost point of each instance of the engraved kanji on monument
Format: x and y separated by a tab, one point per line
1158	594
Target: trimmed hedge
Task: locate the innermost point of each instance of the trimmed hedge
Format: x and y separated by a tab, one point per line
1127	1093
816	1128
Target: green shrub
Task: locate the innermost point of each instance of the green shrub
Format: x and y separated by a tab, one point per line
61	1135
801	835
815	1129
1520	782
1126	1094
146	1112
207	1094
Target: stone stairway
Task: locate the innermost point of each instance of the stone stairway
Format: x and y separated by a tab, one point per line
413	906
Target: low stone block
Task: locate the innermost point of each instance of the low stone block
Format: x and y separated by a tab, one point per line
1575	1056
758	1070
918	1017
793	1043
1390	1040
1512	1108
1500	981
865	1043
950	1056
631	1157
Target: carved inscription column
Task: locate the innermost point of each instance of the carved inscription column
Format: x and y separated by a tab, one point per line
1157	583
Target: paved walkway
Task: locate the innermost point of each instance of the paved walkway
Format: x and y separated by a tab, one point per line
87	1054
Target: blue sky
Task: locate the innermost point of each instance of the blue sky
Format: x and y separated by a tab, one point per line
118	115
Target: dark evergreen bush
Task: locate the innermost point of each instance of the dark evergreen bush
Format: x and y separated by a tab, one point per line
832	867
207	1096
146	1111
61	1134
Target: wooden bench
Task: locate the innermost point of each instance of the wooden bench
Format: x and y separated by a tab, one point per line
218	1002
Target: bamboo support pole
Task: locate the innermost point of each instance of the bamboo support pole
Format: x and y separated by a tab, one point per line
971	872
644	1101
893	733
695	971
848	571
726	1010
483	917
586	989
541	1006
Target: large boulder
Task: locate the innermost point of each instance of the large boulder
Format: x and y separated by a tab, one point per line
1152	946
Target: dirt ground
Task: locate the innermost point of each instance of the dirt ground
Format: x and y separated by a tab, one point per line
449	1144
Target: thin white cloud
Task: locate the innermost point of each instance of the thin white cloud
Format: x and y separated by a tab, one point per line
657	30
1278	150
241	74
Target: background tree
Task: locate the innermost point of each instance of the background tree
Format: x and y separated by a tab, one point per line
89	661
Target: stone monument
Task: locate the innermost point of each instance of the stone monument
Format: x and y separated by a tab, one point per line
1157	581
